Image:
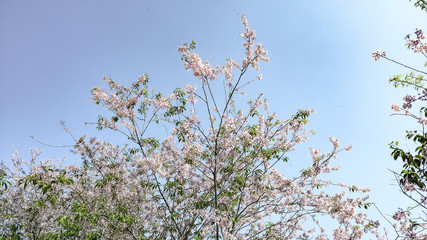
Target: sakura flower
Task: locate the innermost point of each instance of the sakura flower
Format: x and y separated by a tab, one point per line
377	55
335	142
395	107
348	147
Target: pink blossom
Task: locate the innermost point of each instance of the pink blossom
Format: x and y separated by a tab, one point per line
395	107
348	147
377	55
419	33
335	142
422	120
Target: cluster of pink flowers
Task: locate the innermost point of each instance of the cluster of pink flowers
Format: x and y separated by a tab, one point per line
419	33
378	54
395	107
202	70
252	56
227	70
408	99
335	142
416	44
407	227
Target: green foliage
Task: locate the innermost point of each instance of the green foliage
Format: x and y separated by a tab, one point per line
410	80
414	164
3	182
301	116
365	205
421	4
13	231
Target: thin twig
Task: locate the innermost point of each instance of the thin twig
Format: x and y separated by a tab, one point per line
64	146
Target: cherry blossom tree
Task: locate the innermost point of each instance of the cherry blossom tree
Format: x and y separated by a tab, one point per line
413	177
213	176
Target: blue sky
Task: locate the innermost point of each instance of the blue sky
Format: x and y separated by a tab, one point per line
52	53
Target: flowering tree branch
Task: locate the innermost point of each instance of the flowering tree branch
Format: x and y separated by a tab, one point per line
413	177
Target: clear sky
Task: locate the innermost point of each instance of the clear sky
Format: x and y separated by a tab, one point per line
52	53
